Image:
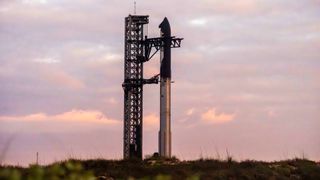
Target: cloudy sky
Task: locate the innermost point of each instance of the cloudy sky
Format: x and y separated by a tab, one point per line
247	79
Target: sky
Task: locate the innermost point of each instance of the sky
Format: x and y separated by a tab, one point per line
247	79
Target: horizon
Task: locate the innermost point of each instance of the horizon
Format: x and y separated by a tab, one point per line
246	79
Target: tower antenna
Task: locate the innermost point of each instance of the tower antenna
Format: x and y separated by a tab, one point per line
135	7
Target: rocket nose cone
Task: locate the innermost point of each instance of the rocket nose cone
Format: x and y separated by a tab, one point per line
165	26
165	21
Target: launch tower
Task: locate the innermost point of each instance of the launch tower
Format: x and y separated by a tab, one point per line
138	50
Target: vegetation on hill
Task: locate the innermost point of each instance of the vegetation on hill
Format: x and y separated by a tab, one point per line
165	169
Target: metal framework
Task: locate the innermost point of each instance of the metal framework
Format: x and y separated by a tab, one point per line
133	86
137	51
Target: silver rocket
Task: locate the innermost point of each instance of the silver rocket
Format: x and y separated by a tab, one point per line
165	91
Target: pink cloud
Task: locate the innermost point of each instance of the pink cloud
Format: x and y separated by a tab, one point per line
212	116
235	7
112	101
151	71
151	122
30	117
190	111
75	115
64	79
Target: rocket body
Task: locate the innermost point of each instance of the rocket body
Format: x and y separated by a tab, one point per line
165	91
165	118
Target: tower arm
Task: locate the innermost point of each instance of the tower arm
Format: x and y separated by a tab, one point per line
157	43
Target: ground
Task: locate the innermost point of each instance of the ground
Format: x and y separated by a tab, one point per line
165	169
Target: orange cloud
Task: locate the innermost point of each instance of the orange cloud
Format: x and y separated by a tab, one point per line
211	116
90	116
30	117
151	122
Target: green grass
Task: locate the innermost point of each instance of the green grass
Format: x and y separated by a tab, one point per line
165	169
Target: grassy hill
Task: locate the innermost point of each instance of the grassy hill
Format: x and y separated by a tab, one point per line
166	169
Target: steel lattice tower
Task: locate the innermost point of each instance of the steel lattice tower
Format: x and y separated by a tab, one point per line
133	86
